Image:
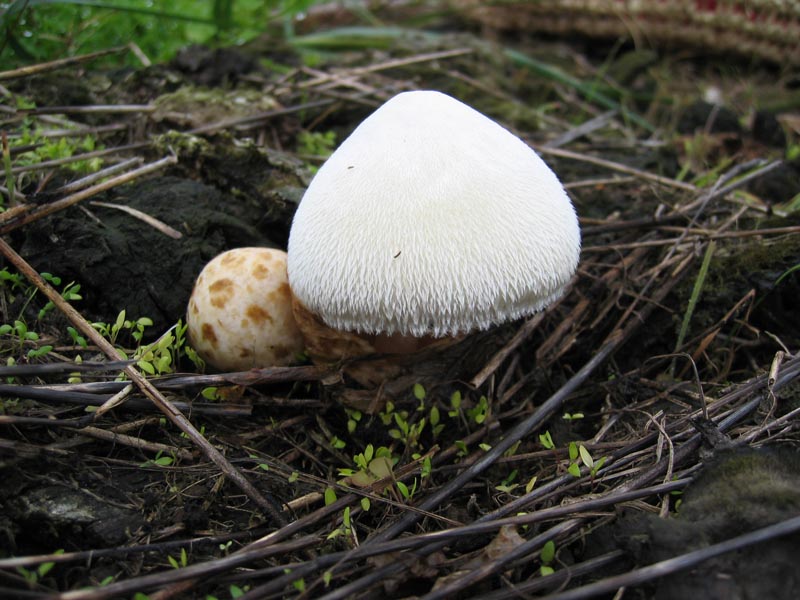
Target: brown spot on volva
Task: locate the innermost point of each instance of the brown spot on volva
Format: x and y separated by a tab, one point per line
260	271
244	324
232	259
280	294
207	332
221	291
258	315
245	353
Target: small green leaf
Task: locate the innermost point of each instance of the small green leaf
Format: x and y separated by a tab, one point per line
434	416
346	517
573	451
330	496
44	568
462	447
546	440
419	391
380	467
586	457
403	489
210	393
598	465
147	367
574	470
548	552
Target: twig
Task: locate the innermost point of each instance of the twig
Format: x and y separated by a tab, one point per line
615	166
90	110
494	363
49	209
127	440
57	162
144	217
59	64
98	175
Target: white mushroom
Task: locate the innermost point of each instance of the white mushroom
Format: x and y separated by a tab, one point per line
240	311
431	220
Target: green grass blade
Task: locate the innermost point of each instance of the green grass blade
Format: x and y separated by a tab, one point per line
589	91
698	288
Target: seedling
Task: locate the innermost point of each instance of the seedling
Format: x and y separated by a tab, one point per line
34	576
353	419
346	528
372	464
547	554
408	433
180	562
508	484
572	416
159	461
455	404
226	547
407	493
578	453
435	418
480	411
462	449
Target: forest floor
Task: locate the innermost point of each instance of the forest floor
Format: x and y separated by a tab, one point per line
651	413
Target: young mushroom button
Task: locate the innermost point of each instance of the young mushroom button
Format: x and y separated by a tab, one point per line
240	313
430	220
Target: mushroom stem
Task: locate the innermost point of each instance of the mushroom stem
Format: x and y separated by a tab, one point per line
397	343
332	345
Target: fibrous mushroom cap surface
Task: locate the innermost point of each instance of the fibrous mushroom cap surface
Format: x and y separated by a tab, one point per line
431	219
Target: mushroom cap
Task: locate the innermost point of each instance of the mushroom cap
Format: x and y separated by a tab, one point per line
431	219
240	311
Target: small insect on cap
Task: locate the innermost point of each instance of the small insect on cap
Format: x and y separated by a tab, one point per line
431	219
